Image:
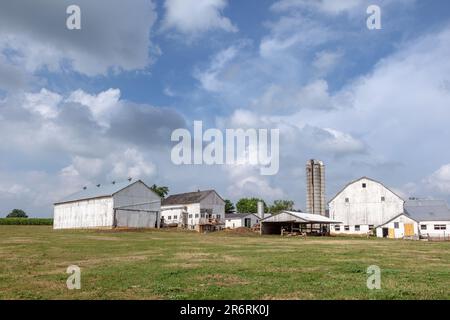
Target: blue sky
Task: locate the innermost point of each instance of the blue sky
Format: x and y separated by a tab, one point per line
88	106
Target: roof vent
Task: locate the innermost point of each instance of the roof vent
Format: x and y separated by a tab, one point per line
129	179
98	186
84	188
113	182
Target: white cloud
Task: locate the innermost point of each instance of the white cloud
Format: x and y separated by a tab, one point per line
440	180
325	61
326	6
44	103
100	105
193	17
212	79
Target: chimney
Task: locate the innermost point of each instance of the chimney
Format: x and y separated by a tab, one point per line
261	210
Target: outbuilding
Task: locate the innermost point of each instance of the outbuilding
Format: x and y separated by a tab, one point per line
299	222
125	204
400	227
238	220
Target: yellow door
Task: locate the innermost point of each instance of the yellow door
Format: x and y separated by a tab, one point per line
409	229
391	233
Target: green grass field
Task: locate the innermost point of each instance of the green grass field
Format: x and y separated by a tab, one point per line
185	265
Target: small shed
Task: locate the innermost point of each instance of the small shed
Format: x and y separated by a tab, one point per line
125	204
400	227
237	220
291	221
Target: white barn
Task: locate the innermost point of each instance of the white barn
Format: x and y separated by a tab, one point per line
126	204
201	210
362	205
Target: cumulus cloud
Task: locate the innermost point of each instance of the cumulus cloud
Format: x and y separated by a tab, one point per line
193	17
440	180
113	36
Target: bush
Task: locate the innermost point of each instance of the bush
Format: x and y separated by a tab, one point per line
26	221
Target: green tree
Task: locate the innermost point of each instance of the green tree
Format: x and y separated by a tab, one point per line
249	205
17	213
280	205
229	206
161	191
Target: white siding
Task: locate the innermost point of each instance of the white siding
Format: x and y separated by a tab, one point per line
365	205
234	223
95	213
431	232
399	232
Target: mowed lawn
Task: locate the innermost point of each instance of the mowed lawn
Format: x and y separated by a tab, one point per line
186	265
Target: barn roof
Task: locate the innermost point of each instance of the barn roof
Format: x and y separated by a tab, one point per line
187	198
302	217
94	192
427	210
359	179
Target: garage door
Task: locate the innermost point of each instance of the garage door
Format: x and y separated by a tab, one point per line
409	229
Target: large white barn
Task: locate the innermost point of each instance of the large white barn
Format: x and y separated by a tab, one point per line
362	205
201	210
126	204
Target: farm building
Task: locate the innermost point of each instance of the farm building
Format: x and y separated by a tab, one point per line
363	204
201	210
296	222
433	217
247	220
400	227
126	204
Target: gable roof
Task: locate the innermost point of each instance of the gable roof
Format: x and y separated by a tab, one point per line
188	198
94	192
359	179
288	216
427	210
397	216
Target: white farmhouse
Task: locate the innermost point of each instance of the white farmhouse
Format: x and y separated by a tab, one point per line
362	205
201	210
126	204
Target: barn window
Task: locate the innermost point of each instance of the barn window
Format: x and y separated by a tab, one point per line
347	228
175	217
440	227
423	227
383	199
190	216
337	228
202	215
347	200
396	225
169	218
196	215
218	216
357	228
364	185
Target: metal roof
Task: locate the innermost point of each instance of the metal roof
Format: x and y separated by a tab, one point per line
288	216
187	198
104	190
427	210
359	179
